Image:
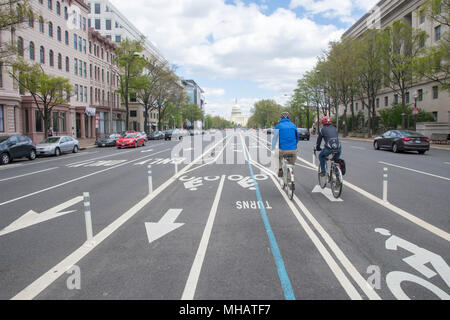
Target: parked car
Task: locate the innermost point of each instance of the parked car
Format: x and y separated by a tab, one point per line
179	134
303	134
131	139
57	145
108	140
16	146
144	134
168	134
156	135
402	140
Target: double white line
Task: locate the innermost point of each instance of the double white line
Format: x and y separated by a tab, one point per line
334	266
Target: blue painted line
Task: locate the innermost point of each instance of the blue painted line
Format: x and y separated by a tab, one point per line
282	273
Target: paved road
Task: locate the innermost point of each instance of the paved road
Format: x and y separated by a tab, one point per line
220	227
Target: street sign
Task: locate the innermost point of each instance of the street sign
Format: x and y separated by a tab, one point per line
415	111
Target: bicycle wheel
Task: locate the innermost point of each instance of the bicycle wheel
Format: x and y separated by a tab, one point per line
336	181
322	180
290	190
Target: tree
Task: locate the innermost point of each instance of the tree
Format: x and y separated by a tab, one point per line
131	66
315	83
192	112
265	113
434	65
46	90
12	14
401	45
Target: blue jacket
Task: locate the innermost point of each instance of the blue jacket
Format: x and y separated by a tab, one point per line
287	131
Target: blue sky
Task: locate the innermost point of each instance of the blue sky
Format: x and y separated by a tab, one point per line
244	49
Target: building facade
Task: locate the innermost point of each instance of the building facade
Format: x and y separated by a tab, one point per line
194	95
430	96
60	41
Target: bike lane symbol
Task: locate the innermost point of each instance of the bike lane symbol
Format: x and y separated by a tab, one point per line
419	260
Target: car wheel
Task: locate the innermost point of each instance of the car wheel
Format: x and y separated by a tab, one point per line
57	152
5	159
421	152
32	155
395	147
376	145
75	149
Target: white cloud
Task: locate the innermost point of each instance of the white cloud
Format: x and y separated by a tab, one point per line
214	92
271	50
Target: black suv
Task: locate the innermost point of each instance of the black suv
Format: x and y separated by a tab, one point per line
16	146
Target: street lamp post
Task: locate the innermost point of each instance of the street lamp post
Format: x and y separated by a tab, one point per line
416	95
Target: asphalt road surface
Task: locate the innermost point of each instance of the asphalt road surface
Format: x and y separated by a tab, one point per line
209	220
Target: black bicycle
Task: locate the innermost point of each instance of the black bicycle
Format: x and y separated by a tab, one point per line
333	175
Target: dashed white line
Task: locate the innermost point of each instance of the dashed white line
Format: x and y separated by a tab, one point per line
28	174
413	170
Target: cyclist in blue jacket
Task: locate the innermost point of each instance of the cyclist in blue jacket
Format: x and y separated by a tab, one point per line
286	135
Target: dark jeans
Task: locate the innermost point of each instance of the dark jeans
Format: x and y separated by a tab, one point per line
325	153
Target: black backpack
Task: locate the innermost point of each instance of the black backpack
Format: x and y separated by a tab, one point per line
341	164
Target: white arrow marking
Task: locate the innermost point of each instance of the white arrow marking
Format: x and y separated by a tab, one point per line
327	193
31	217
156	230
148	150
193	184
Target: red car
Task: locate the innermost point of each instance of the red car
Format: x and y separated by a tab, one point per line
130	139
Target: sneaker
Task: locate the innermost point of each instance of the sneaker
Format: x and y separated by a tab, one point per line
322	174
280	173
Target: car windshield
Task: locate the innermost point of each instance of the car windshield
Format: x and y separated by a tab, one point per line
410	134
129	135
3	138
50	140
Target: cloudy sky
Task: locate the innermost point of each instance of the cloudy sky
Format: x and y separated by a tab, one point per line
243	49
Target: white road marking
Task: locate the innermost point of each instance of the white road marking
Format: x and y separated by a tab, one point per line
148	150
102	157
31	217
447	162
165	225
421	223
28	174
76	179
417	171
40	284
327	193
15	165
359	148
194	274
335	268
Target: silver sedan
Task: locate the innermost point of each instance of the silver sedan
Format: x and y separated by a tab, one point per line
57	145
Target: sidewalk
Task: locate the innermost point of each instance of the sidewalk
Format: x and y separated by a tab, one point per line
432	146
87	143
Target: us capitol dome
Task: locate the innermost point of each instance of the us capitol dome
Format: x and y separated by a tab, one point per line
237	117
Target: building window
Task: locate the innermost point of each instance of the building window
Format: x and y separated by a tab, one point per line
32	55
31	22
437	33
51	57
89	23
66	13
435	92
84	45
80	44
59	61
58	8
84	24
62	116
38	121
133	113
75	39
421	17
50	4
50	29
97	8
378	102
85	94
2	119
76	92
55	121
435	115
97	24
58	33
1	74
420	94
407	97
66	37
20	46
75	66
42	55
118	38
386	101
108	24
81	68
41	24
396	99
67	64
